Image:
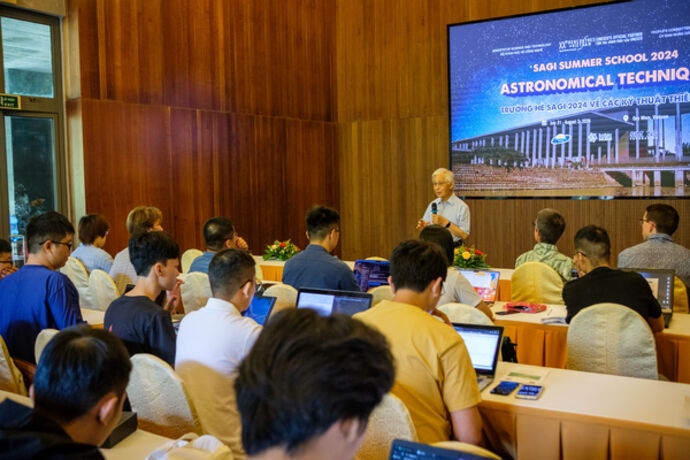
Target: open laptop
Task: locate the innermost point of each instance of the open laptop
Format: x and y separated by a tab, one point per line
661	282
371	273
483	344
327	302
485	282
260	308
409	450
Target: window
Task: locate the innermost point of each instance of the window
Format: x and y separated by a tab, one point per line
32	176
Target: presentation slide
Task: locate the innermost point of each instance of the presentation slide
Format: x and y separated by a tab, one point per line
583	102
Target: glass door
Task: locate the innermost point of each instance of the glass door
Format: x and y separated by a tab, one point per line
32	175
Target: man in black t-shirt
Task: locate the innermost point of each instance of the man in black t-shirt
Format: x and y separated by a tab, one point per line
599	283
142	324
78	393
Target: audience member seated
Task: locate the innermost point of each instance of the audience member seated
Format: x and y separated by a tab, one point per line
37	296
142	324
93	231
309	384
78	393
6	265
141	219
658	250
599	283
315	267
456	288
213	340
219	234
548	228
434	375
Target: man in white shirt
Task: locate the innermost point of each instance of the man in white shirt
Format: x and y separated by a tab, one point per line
447	209
213	341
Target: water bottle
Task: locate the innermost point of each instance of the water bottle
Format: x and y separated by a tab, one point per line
17	243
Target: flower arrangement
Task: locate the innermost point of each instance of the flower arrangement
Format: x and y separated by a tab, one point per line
469	257
280	250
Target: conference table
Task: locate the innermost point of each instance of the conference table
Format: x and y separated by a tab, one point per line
589	416
546	344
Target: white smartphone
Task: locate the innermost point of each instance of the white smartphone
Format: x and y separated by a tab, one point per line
530	392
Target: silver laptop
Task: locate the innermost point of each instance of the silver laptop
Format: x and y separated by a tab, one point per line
483	344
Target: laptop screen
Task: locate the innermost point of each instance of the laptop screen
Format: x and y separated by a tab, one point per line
408	450
371	273
661	282
327	302
485	282
483	344
260	308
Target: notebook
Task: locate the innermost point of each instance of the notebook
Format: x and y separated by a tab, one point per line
260	308
483	344
408	450
371	273
485	282
661	282
327	301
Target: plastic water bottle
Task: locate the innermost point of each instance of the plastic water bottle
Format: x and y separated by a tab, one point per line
17	243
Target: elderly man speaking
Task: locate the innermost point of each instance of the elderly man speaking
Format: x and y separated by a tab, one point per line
447	209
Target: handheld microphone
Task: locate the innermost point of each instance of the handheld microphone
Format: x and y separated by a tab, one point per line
434	208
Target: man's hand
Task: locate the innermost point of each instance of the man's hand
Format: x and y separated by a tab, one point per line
439	220
421	223
174	304
440	314
7	271
241	244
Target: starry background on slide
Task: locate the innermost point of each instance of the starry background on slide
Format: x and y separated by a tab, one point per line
477	74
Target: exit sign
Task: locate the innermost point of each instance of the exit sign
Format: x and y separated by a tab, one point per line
9	101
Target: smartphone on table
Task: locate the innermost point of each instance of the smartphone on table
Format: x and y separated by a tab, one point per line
505	388
530	392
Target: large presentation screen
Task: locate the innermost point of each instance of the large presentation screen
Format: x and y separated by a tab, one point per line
583	102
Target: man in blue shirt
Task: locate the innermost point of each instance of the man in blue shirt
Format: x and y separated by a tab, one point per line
659	222
315	267
219	234
37	296
451	212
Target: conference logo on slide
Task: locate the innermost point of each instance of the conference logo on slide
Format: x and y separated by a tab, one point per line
561	138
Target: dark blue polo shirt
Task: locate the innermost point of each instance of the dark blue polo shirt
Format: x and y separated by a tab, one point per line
316	268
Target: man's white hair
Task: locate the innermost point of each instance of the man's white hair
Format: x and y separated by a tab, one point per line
446	174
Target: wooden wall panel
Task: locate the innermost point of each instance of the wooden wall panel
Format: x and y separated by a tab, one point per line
263	57
127	162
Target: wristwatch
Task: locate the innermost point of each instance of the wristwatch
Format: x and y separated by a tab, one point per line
448	224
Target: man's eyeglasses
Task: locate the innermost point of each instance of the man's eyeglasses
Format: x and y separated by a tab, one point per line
6	261
69	245
642	221
579	252
258	286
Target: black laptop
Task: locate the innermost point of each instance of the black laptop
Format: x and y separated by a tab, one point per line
327	301
371	273
408	450
260	308
483	344
661	282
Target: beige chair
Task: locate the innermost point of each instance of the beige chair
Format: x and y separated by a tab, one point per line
74	270
286	297
461	313
159	398
381	259
11	378
380	293
680	296
609	338
102	290
42	340
390	420
195	291
188	257
467	448
536	282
